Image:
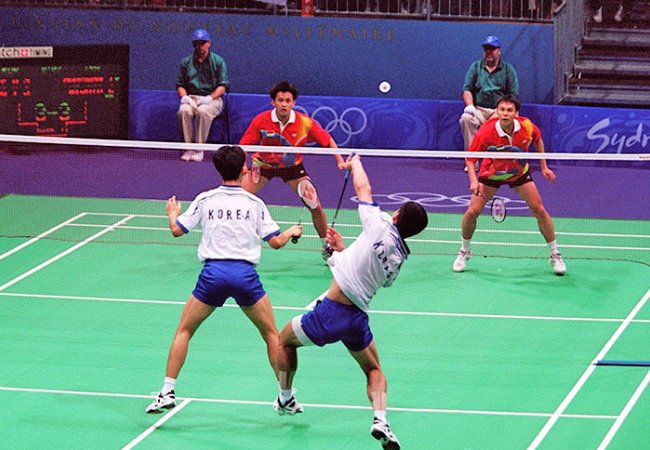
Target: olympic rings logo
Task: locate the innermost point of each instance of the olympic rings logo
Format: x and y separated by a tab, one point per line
435	200
351	122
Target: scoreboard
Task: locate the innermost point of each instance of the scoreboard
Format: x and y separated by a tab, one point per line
66	91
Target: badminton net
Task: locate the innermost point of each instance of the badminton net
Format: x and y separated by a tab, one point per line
113	192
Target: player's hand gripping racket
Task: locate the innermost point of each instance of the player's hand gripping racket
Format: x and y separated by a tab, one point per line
497	208
309	196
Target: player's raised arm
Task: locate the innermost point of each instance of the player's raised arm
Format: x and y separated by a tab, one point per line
173	209
360	178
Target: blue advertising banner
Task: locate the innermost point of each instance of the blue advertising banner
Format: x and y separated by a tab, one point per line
358	122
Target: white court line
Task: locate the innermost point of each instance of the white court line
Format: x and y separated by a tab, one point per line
521	244
156	425
585	376
42	235
313	405
447	229
62	254
626	410
302	308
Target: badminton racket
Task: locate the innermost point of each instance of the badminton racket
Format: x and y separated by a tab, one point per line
255	172
309	196
497	208
345	184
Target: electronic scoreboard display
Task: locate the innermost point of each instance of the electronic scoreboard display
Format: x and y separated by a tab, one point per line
68	91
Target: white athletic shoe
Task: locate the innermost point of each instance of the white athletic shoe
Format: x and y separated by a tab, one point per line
289	408
187	155
619	14
161	403
598	15
381	431
197	156
558	265
461	260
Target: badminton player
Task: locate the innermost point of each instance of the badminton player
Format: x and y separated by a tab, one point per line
233	224
518	132
282	126
372	261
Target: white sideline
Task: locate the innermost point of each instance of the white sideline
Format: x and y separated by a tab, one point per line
42	235
300	308
585	376
156	425
64	253
311	405
626	410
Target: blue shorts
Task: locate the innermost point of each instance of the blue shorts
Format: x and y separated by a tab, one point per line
332	321
221	279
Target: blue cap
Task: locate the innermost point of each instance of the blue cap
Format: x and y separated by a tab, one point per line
200	35
491	41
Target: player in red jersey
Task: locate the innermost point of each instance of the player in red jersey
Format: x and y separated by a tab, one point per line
282	126
509	132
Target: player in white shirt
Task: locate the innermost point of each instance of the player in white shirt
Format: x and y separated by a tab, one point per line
372	261
233	223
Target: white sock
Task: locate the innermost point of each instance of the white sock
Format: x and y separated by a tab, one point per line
465	244
169	385
553	246
285	395
381	415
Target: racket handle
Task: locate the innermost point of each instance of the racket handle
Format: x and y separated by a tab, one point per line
294	240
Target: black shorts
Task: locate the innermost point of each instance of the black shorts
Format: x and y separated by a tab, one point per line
527	178
286	173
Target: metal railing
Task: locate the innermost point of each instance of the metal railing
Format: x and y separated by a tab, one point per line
568	31
502	10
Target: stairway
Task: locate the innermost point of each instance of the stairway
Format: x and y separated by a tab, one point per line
612	65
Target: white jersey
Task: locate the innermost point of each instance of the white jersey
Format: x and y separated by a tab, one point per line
232	220
373	260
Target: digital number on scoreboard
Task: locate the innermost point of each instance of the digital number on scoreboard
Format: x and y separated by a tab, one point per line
68	91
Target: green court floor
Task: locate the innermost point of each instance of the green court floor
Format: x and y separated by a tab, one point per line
498	357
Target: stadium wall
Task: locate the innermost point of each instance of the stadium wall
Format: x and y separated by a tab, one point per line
322	56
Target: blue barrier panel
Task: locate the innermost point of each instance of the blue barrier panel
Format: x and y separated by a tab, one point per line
358	122
600	130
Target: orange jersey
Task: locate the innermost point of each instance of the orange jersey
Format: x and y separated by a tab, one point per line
491	137
263	130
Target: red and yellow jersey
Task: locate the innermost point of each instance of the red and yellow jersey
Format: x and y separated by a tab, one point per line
491	137
263	130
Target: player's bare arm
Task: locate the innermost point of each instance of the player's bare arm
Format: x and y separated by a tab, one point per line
473	179
173	209
339	159
360	178
548	173
281	239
